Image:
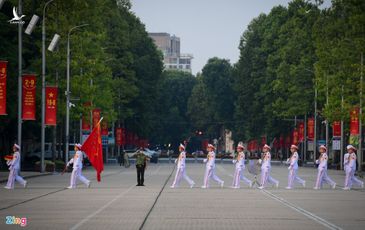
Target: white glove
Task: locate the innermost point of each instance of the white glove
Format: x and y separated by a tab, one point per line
289	167
175	161
8	163
234	161
288	160
260	161
205	160
68	164
317	161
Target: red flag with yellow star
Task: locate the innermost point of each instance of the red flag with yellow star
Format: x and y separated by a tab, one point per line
51	106
94	150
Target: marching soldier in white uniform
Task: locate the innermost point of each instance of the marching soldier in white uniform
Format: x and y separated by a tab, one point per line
293	168
210	168
240	167
180	172
14	167
266	168
77	168
322	170
350	168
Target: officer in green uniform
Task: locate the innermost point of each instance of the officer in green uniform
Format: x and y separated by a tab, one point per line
141	164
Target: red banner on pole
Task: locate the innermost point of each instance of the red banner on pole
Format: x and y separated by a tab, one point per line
96	116
119	136
354	121
295	137
3	71
263	140
86	117
281	141
205	144
301	132
28	97
51	106
288	141
104	128
143	143
310	128
336	128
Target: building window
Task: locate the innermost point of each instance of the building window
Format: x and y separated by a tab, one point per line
187	66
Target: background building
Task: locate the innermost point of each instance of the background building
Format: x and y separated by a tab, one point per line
170	47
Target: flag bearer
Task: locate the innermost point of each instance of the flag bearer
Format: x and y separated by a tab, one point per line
266	168
240	167
210	168
77	168
322	170
293	168
14	167
350	168
180	172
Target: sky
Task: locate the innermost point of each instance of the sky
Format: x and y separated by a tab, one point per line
207	28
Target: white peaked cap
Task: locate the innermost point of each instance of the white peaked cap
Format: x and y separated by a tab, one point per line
240	146
17	146
182	146
210	146
294	147
351	147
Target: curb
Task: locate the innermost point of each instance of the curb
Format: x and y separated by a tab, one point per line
31	176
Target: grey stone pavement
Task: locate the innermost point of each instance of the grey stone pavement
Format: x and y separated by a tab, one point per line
116	203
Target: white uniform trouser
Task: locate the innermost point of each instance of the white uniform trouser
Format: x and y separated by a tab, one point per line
292	177
238	176
77	174
210	173
181	173
14	176
351	178
266	178
322	177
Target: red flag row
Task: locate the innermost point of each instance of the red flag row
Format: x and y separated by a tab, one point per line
3	71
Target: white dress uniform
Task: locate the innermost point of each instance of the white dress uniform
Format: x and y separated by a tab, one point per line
293	169
210	171
180	172
14	167
322	176
350	169
238	173
77	170
265	171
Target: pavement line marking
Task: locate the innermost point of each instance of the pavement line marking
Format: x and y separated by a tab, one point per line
46	194
158	196
300	210
79	224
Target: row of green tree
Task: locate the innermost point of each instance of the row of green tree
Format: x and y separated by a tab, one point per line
285	56
114	64
288	54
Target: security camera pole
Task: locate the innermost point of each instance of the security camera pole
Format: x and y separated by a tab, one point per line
43	132
68	91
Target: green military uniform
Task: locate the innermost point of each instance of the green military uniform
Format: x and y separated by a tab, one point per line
141	166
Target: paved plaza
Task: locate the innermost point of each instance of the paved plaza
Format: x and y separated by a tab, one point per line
116	202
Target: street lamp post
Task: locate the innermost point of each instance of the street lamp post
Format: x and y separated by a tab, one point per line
360	114
43	132
68	90
20	57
